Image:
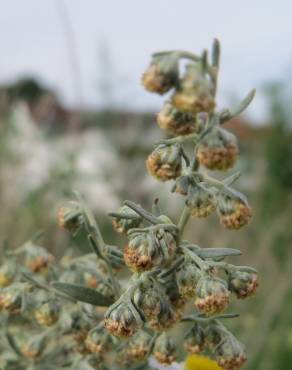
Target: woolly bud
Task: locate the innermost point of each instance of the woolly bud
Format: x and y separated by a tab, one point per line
230	353
200	201
195	92
234	211
38	259
97	341
177	122
164	163
151	299
212	295
242	283
149	248
70	217
187	278
11	298
48	313
7	273
162	74
121	320
139	346
164	349
34	347
123	225
218	150
195	340
165	319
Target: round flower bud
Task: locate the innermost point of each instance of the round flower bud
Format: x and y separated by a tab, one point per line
230	353
121	321
161	75
234	212
11	298
97	340
164	349
164	163
219	150
200	201
195	92
212	295
165	319
242	283
177	301
187	278
7	273
70	217
123	225
195	340
139	346
151	300
34	347
38	259
48	313
149	249
177	122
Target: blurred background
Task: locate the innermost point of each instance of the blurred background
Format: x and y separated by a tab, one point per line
73	115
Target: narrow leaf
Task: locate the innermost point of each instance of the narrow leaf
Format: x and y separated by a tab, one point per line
217	252
13	344
83	294
231	179
216	53
227	115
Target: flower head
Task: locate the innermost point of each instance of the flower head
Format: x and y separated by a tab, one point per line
177	122
200	201
48	313
161	75
164	349
243	283
164	163
212	295
195	91
97	340
230	353
139	346
121	320
70	217
234	211
149	248
130	220
187	278
195	340
218	150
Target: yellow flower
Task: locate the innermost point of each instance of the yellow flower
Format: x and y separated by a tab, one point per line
197	362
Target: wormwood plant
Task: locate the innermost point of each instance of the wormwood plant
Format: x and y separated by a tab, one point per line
88	312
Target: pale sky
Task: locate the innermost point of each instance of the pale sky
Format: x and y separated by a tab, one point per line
255	36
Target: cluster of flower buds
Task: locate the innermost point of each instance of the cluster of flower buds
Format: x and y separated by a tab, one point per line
97	316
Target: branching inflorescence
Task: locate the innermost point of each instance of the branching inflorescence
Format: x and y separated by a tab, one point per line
168	271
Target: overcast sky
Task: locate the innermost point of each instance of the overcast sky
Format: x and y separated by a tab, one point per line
255	35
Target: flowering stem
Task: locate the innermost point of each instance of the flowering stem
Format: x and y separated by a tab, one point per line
184	218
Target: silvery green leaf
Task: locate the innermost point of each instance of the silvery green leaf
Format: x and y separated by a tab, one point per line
216	53
83	294
227	115
230	179
217	252
235	194
13	344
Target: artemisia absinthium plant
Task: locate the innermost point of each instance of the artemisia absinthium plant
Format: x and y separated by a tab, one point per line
120	322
